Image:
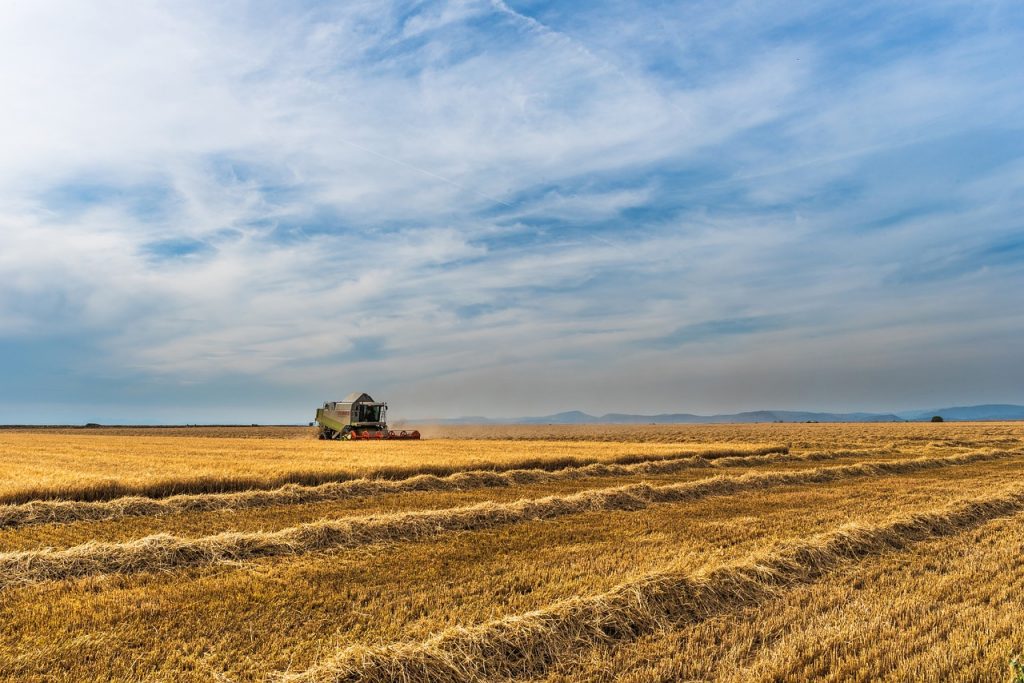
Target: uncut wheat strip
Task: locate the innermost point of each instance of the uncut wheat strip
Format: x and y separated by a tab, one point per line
529	644
64	512
164	552
110	490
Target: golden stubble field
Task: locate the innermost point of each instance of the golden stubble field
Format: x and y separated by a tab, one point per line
636	553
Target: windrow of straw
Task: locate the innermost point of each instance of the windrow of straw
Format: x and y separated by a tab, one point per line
813	456
63	512
529	644
110	490
163	552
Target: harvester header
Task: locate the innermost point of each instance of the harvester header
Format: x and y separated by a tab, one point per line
357	417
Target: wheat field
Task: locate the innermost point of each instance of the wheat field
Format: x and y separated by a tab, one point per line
544	553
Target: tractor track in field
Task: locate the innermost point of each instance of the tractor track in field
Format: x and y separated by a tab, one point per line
164	552
530	644
65	512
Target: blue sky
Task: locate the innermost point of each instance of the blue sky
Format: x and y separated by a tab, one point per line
234	211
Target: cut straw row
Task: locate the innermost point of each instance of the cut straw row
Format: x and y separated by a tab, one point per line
530	644
164	552
67	511
109	490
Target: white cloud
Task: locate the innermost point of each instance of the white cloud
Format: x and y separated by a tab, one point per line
425	176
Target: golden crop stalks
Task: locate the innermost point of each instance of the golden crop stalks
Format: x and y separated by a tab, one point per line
367	461
529	644
167	552
62	512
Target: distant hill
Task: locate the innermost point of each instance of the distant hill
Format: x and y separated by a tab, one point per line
991	411
576	417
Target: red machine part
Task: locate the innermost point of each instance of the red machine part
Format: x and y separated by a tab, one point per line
368	434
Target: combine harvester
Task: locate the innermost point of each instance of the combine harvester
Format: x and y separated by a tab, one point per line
357	417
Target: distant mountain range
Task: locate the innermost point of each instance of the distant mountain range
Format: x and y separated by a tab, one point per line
989	411
575	417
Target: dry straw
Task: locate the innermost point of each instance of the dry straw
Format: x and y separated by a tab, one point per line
163	552
64	511
110	490
529	644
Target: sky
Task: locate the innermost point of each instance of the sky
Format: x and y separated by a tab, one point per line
234	211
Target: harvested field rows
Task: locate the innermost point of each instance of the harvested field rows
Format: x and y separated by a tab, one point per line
65	511
165	552
531	643
42	466
946	610
571	570
276	613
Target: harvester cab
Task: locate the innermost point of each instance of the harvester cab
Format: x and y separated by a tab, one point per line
357	417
